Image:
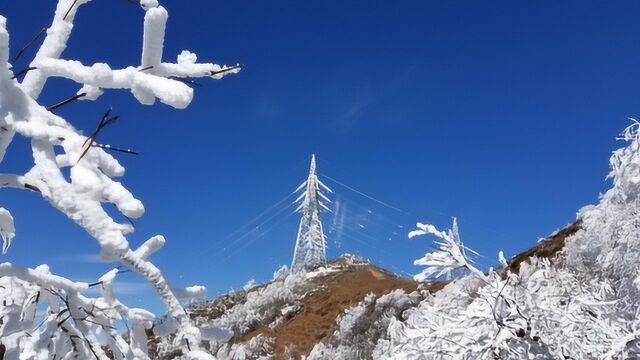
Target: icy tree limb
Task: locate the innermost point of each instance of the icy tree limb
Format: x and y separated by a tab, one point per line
41	278
71	331
141	84
187	68
149	247
16	182
145	85
53	45
187	332
155	22
87	212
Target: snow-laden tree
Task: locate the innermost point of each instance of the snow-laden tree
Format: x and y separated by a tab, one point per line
541	312
44	316
607	245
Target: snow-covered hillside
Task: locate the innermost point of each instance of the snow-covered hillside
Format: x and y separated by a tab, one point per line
346	306
571	296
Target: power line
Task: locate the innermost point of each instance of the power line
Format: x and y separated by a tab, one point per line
397	209
256	228
252	241
363	194
246	226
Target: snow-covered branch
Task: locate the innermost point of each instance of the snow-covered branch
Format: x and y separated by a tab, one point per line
73	322
447	258
53	45
144	86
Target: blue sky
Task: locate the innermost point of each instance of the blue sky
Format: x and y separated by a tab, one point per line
501	113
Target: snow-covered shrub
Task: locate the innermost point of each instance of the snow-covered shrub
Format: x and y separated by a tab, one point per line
261	307
607	246
281	273
44	316
205	310
259	348
264	305
542	312
352	260
360	328
289	353
250	285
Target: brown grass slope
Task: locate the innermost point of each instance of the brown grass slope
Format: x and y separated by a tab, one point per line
547	248
334	293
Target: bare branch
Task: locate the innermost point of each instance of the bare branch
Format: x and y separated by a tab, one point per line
24	48
66	101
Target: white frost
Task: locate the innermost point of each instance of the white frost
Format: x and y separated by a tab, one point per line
7	229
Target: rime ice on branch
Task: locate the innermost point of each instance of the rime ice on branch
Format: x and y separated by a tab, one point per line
73	322
449	257
310	249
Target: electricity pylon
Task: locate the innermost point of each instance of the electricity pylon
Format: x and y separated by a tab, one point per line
310	250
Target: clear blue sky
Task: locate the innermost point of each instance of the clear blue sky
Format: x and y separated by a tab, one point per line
501	113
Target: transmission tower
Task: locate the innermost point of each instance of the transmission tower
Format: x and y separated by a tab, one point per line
310	250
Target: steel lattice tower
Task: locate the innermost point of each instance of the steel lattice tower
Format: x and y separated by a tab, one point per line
310	249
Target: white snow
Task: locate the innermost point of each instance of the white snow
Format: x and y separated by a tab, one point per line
150	246
91	92
7	229
321	272
155	22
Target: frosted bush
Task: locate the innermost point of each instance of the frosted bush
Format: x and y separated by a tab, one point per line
259	347
244	312
360	328
541	313
607	245
263	306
